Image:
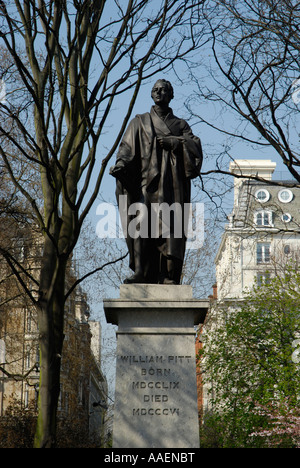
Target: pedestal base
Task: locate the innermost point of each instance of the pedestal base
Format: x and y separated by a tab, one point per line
156	392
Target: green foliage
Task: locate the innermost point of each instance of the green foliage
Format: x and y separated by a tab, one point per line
248	365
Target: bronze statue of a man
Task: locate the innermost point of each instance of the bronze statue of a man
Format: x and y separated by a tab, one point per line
157	158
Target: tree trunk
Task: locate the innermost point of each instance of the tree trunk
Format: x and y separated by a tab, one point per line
51	335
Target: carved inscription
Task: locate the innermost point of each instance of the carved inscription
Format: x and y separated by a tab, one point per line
156	385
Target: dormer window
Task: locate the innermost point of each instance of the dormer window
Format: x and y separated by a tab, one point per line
262	195
263	218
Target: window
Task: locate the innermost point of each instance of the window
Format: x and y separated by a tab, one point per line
59	403
263	218
287	249
263	252
262	195
27	357
19	248
285	196
26	396
29	321
37	359
67	403
263	278
2	352
286	217
80	392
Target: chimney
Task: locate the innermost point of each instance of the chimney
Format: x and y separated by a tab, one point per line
214	295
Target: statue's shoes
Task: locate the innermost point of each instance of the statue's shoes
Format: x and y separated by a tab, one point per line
168	281
136	278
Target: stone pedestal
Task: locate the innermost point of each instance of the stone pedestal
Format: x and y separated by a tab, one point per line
156	393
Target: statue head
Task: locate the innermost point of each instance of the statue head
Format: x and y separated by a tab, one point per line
162	92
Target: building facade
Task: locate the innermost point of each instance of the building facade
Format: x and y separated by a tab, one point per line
83	395
263	231
261	238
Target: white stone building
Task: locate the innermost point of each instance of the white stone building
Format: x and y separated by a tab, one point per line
262	236
263	231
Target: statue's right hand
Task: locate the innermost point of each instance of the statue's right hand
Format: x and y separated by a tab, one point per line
115	169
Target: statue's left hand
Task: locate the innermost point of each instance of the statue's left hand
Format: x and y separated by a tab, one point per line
169	143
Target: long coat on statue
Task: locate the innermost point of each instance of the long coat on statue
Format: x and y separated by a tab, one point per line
147	173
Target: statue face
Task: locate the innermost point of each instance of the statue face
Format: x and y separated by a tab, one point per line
161	93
